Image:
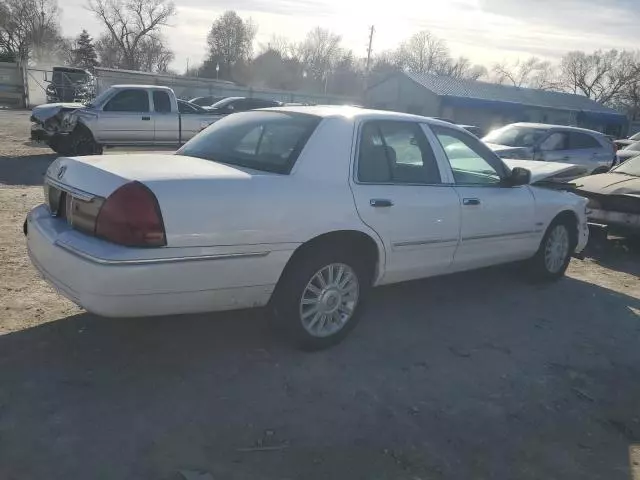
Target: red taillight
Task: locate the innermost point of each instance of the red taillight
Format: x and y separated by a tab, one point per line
131	216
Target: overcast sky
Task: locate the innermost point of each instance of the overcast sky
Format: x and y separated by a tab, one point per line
486	31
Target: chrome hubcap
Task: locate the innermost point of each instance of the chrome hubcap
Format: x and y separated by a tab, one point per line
557	249
329	300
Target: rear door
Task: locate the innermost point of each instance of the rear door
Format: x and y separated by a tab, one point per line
586	150
165	121
399	193
126	119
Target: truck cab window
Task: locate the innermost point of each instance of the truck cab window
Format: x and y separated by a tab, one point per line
161	102
128	101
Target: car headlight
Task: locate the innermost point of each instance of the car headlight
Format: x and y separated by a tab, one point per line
68	121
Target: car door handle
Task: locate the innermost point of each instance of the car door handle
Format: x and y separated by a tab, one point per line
380	202
146	118
471	201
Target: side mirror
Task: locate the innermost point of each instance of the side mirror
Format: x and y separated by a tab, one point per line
519	176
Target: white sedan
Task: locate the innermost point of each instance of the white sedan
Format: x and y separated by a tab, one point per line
299	208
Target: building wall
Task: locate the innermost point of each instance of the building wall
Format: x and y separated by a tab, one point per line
400	94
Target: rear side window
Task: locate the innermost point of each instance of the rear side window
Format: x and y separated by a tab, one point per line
579	141
161	102
396	152
134	100
269	141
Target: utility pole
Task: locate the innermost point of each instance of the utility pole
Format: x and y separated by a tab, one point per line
366	73
373	29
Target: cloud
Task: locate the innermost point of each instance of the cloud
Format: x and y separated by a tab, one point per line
486	31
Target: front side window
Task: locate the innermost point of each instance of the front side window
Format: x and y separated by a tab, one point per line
471	162
161	102
555	142
396	152
134	100
269	141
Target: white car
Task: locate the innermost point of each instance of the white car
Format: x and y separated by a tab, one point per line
299	208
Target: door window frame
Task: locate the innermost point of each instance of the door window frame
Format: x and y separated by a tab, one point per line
445	175
485	152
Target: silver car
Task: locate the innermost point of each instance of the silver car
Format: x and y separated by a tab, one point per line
553	143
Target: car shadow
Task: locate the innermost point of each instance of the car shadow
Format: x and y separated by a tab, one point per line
25	170
467	376
616	253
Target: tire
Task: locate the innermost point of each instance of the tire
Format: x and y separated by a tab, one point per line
554	254
339	308
81	143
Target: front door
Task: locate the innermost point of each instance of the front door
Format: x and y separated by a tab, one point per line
498	222
126	119
399	193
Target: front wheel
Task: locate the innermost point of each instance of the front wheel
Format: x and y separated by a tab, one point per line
552	258
81	143
319	299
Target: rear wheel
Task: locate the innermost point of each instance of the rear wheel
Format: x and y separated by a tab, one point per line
319	298
552	258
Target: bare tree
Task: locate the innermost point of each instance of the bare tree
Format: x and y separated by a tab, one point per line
230	41
423	53
531	73
601	75
318	53
132	26
28	27
461	68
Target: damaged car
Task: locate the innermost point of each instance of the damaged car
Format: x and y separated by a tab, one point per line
614	198
70	84
123	115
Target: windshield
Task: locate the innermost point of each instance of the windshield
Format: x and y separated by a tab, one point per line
515	136
635	147
268	141
630	167
100	98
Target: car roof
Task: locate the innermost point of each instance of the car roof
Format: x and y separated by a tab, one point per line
151	87
548	126
359	113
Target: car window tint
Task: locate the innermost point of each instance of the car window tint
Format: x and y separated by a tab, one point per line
269	141
582	140
396	152
129	101
555	141
161	102
470	163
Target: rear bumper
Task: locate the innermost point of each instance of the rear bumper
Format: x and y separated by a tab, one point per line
133	286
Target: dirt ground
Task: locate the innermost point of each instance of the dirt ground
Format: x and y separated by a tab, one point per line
472	376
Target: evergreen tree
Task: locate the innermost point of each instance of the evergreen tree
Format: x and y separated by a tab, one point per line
84	54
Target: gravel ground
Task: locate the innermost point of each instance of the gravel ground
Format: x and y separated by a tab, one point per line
479	375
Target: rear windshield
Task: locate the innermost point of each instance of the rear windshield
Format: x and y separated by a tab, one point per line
265	140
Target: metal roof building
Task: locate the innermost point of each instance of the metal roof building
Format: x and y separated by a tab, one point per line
489	105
